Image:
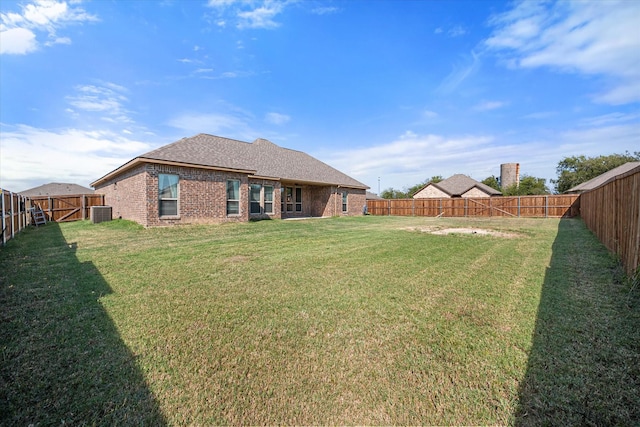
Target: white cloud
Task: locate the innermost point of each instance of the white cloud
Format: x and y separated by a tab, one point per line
212	123
31	156
461	71
593	38
18	30
457	31
106	99
277	118
411	158
17	41
325	10
252	14
489	105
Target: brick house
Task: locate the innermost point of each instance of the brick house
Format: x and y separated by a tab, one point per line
456	186
210	179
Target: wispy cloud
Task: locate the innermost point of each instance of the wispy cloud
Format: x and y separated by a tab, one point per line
411	158
105	99
234	124
30	156
593	38
489	105
19	30
326	10
462	70
249	14
277	118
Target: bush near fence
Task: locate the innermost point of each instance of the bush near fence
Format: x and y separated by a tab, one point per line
563	205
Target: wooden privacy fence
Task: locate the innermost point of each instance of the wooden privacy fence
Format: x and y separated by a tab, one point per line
522	206
68	208
15	214
612	212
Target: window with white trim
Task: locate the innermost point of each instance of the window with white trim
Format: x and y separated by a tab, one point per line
255	191
268	199
344	201
168	186
261	199
233	197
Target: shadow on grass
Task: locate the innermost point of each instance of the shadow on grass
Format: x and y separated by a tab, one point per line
584	365
62	359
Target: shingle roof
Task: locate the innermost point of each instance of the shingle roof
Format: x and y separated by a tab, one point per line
601	179
56	189
459	184
261	158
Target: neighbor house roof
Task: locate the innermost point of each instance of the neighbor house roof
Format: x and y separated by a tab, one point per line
603	178
372	196
261	158
459	184
56	189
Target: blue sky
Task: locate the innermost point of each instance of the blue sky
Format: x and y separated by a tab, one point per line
389	92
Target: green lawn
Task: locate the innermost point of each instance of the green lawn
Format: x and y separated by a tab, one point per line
369	320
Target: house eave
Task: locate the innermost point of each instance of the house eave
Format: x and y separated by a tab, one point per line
324	184
142	160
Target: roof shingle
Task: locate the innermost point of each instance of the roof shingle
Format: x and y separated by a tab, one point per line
262	157
459	184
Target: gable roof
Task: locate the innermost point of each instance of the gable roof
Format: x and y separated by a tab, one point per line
458	184
603	178
261	158
56	189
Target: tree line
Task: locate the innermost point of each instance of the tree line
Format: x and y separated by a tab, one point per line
571	171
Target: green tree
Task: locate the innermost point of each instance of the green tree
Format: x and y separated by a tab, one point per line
529	186
492	182
578	169
392	193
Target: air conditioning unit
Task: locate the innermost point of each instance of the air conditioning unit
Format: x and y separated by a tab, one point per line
100	214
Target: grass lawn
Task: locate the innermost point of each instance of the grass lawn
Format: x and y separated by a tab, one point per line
368	320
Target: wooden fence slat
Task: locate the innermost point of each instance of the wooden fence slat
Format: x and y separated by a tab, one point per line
561	205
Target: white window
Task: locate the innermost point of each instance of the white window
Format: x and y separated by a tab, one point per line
268	199
233	197
254	198
168	194
344	201
261	199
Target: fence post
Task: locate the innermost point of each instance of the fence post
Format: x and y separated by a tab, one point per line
84	206
389	207
3	219
546	206
13	231
519	206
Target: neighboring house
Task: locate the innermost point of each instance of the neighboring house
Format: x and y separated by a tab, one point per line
207	178
456	186
603	178
373	196
56	189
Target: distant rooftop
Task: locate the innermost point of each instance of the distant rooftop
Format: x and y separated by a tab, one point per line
56	189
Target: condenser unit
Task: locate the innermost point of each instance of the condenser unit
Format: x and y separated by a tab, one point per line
100	214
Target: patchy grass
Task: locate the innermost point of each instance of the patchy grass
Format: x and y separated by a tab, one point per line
336	321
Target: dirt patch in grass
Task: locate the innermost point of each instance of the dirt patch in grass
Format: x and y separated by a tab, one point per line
478	231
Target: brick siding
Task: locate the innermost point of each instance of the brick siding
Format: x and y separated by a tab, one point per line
202	197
